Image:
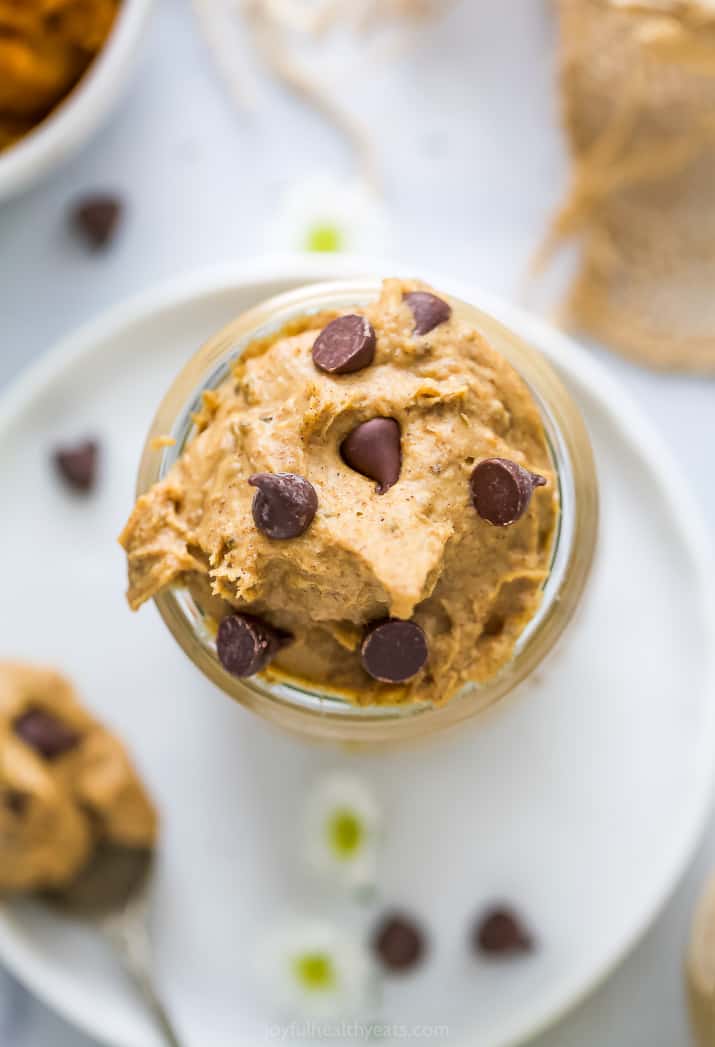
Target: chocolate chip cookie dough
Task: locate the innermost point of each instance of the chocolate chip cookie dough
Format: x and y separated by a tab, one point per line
368	505
66	783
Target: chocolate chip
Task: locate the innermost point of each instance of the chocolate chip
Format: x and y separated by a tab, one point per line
394	651
500	932
428	310
373	449
44	733
284	504
15	801
78	465
345	345
246	644
501	490
96	218
399	943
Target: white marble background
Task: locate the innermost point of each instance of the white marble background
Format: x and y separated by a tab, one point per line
473	163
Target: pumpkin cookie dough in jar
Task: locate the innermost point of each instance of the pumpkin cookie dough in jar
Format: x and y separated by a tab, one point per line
374	512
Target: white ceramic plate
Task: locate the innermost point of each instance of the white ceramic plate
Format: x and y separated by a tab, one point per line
580	798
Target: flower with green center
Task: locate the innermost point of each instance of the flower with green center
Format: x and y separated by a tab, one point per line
326	214
315	969
345	833
342	832
323	238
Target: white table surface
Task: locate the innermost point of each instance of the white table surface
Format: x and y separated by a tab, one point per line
473	163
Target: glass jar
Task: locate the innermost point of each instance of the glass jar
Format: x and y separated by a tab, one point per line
319	714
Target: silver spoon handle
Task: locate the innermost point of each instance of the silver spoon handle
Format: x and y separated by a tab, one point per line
130	940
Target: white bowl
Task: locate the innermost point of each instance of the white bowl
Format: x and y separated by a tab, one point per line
74	119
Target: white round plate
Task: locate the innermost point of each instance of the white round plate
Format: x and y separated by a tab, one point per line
579	799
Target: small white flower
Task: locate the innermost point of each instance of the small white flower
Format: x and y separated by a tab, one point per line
342	831
314	969
325	214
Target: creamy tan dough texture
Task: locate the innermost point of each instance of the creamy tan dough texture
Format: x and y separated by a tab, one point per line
418	551
53	812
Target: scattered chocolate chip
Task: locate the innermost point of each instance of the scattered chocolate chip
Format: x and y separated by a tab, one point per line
284	504
399	943
78	465
501	490
345	345
15	801
96	218
428	310
246	644
394	651
373	449
500	932
44	733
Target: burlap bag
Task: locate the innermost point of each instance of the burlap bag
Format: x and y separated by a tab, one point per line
638	89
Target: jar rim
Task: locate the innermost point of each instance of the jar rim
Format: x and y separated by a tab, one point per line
304	707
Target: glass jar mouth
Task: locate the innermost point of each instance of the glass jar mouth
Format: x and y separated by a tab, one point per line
321	711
